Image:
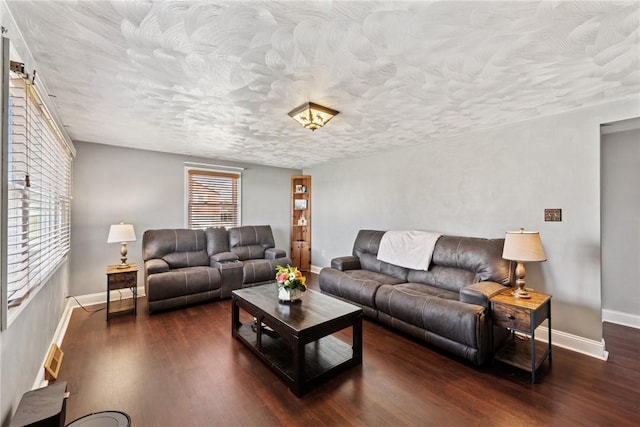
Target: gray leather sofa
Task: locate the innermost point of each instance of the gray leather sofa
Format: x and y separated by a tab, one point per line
183	267
446	306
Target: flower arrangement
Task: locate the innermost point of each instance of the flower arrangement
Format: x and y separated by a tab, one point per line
290	278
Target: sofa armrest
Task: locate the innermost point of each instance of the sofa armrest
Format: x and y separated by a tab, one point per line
480	293
222	257
274	253
155	265
345	263
231	273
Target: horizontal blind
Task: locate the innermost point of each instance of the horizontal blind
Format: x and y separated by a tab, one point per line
39	193
213	199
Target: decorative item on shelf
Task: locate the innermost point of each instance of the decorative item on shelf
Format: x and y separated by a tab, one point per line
302	220
522	246
300	204
122	233
312	116
291	283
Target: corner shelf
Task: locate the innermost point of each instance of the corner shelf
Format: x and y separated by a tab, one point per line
301	232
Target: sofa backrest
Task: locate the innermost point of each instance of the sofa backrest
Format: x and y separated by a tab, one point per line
217	240
366	248
250	241
178	247
456	262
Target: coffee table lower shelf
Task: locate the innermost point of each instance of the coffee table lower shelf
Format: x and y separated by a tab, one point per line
323	357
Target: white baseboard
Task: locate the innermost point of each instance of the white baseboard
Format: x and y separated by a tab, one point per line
101	297
573	342
620	318
57	338
315	269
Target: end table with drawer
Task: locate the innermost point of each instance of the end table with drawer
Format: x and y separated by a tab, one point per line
119	277
522	316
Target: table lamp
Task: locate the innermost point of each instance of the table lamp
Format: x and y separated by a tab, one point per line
522	246
122	233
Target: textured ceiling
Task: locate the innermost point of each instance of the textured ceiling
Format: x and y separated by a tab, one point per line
217	78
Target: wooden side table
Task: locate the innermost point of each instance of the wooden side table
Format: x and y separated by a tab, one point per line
522	316
122	278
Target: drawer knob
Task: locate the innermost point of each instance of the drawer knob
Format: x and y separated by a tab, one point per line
511	317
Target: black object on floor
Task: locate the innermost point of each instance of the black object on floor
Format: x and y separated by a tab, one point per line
43	407
103	419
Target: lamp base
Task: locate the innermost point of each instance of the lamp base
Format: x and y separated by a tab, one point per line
521	293
124	265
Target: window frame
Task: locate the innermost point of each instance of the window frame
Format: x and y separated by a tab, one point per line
216	171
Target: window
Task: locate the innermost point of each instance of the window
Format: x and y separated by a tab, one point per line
38	175
213	199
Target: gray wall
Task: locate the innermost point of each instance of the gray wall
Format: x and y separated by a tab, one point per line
146	189
621	222
483	184
25	343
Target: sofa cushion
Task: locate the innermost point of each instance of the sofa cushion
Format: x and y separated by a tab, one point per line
261	270
186	259
250	241
182	281
451	279
158	243
481	256
248	252
432	309
359	286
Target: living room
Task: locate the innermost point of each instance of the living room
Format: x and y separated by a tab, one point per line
480	182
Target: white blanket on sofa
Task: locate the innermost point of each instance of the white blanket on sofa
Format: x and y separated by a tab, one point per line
411	249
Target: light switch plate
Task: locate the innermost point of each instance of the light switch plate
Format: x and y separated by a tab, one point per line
553	214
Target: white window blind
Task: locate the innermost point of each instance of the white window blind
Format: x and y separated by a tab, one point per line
213	199
39	193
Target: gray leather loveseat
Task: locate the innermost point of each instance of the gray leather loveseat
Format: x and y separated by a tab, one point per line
184	267
446	306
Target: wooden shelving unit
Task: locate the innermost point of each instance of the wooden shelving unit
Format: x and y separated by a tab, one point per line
301	221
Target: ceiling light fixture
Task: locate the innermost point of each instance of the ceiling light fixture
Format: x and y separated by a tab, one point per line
312	116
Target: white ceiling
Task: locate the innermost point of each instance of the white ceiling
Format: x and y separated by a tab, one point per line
217	78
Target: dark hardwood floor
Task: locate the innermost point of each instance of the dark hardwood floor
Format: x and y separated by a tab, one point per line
183	368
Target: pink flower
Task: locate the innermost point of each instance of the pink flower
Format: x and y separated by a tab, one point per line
282	277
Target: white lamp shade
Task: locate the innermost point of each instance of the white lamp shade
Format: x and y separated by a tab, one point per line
119	233
523	246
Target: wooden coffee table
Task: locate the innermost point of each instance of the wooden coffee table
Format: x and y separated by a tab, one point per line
295	340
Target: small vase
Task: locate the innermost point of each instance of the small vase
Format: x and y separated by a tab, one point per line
289	295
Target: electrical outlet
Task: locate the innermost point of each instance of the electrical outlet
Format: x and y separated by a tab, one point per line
553	214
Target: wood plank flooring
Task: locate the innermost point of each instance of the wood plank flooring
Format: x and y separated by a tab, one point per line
183	368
